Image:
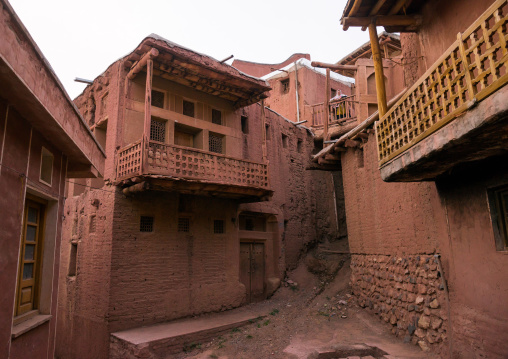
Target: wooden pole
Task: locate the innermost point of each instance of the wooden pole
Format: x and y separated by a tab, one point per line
142	62
327	105
148	98
378	67
263	128
296	92
333	66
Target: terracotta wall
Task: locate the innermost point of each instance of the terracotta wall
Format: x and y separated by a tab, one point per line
476	271
259	70
21	152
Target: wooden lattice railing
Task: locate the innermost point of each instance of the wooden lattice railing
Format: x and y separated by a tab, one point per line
190	163
340	110
471	69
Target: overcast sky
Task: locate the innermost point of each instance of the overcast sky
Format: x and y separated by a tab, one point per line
82	38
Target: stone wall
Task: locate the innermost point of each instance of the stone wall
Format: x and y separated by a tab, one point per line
405	291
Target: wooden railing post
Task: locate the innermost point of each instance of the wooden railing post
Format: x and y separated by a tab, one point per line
327	105
378	68
469	81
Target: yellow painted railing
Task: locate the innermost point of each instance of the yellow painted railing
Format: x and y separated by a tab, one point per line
472	68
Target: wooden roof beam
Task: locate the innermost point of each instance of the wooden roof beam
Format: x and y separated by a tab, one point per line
396	8
376	7
333	66
389	20
149	55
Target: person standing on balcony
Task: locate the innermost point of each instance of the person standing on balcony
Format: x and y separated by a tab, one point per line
340	110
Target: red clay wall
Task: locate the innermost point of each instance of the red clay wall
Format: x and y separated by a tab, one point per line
477	272
393	231
22	151
259	70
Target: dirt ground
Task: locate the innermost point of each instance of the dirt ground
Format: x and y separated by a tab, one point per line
311	312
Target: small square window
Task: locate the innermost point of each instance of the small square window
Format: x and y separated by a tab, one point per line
218	226
146	224
158	130
245	125
284	141
93	224
215	143
188	108
183	224
158	98
216	117
284	86
46	174
498	203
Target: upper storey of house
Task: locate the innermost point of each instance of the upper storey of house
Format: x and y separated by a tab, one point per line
455	66
172	120
30	87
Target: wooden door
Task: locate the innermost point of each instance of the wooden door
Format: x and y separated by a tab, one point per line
252	270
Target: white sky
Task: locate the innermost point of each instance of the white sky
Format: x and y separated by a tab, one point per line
82	38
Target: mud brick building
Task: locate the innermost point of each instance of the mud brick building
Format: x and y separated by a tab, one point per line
425	177
205	200
43	141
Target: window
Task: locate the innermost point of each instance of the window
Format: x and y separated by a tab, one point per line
46	174
183	224
93	225
158	130
214	143
284	86
333	92
498	203
188	108
216	117
218	226
158	98
30	258
299	146
73	260
146	224
104	104
284	141
267	132
245	125
249	224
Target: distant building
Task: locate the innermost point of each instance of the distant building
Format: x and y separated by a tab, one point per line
43	141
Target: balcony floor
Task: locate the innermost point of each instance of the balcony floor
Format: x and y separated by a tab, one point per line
480	133
195	187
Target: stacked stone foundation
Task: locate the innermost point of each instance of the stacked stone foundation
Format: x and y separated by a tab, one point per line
405	291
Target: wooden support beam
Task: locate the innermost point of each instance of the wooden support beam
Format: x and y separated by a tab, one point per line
376	7
331	157
355	7
136	188
149	55
351	143
339	149
363	136
412	21
263	129
148	108
322	161
378	68
327	106
333	66
396	8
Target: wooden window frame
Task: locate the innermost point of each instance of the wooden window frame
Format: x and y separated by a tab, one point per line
195	107
165	100
44	151
499	216
21	314
164	124
221	116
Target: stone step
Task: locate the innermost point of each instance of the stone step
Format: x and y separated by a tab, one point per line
160	340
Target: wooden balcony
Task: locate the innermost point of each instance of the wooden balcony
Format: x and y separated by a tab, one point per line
157	166
464	86
340	111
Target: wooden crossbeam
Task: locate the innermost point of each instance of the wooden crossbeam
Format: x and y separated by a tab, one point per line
149	55
412	21
333	66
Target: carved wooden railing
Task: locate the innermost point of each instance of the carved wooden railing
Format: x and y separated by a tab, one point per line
341	110
190	163
472	68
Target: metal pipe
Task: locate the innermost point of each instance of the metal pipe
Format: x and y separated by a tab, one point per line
85	81
297	98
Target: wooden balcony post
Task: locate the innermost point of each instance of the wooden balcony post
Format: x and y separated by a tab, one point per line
327	105
148	98
378	68
263	129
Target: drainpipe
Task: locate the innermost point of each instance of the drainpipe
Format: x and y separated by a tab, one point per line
297	98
